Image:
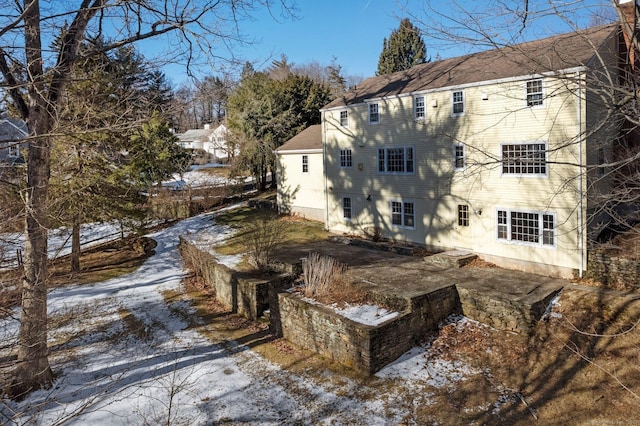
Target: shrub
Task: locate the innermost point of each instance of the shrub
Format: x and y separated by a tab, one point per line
260	239
321	274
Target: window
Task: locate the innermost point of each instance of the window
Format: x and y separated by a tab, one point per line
402	214
395	160
344	118
419	108
13	150
526	158
526	227
345	158
457	99
458	157
346	207
305	164
534	92
463	215
374	116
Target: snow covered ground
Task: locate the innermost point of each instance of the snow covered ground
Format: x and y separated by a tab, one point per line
124	355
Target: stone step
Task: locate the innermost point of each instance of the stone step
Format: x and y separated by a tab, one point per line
451	259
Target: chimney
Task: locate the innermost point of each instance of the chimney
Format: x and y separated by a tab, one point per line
207	126
628	13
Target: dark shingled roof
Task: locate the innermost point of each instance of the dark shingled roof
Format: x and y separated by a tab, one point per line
309	138
550	54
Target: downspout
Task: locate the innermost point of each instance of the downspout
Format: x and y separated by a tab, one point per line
582	177
324	172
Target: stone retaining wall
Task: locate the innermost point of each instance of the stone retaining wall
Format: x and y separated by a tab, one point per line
613	271
501	313
365	348
246	295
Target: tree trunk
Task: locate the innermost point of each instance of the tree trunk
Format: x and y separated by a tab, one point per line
32	367
75	246
33	371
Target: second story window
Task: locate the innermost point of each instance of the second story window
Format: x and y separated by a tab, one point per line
418	108
374	115
305	164
524	159
345	158
344	119
534	92
13	151
457	99
395	160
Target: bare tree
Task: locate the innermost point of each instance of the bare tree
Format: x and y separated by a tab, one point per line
35	78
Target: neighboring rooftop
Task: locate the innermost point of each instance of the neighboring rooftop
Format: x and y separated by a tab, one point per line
560	52
12	129
309	138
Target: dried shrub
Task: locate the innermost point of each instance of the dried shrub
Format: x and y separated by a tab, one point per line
320	274
260	240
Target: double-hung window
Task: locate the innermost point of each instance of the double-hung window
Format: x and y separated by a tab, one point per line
457	102
374	114
463	215
395	160
458	157
533	228
346	207
402	214
419	109
524	159
305	164
345	158
534	93
344	119
13	150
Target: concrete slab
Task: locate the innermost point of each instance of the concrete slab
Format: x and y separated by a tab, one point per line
505	299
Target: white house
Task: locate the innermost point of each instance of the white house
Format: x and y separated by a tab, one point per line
300	177
213	141
12	135
502	153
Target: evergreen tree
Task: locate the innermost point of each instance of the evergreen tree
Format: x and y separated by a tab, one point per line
153	154
264	113
100	106
404	49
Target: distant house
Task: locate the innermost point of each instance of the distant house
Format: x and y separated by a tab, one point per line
12	145
300	176
211	140
484	153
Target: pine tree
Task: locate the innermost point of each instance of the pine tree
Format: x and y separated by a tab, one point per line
404	49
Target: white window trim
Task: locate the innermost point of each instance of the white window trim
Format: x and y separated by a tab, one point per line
526	175
348	219
424	108
369	105
543	92
464	103
340	118
464	157
402	202
305	156
386	148
13	151
541	214
350	157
